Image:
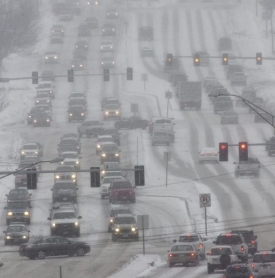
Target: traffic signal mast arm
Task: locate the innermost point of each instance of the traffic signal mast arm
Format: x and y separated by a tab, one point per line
252	106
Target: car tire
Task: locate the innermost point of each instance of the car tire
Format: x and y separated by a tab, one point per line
114	239
41	255
171	264
209	269
31	257
80	251
109	230
28	222
6	243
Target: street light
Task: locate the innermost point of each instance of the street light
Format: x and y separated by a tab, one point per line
55	160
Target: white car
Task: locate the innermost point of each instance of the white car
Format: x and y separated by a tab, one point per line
196	239
104	189
106	46
220	257
208	155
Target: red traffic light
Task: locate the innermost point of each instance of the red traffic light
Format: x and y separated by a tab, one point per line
223	146
243	146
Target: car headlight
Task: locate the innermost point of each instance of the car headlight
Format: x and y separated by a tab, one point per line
117	112
106	113
111	220
53	224
117	230
73	176
24	237
80	65
36	152
46	57
26	213
133	229
71	114
55	57
48	120
76	223
101	47
37	100
103	172
102	63
113	62
72	66
113	29
35	121
48	100
77	162
9	213
98	146
117	154
103	30
62	162
22	152
8	237
57	177
82	114
103	154
30	116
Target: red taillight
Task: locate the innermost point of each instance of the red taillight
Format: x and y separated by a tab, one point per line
251	276
201	245
252	266
202	154
215	154
242	248
192	254
253	241
170	255
228	235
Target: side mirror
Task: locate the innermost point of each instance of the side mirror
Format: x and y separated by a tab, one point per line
49	218
174	240
79	217
51	189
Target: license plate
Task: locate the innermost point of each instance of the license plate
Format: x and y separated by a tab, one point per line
125	236
124	197
64	198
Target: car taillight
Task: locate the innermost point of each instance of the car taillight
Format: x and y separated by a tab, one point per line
192	254
201	245
170	255
252	266
242	248
251	276
202	154
253	241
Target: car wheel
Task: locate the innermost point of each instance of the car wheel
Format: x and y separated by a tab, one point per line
77	234
28	222
6	243
171	264
41	255
80	252
209	269
114	239
134	201
109	229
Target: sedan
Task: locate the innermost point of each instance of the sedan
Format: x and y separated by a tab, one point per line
77	64
53	246
107	62
208	155
131	123
229	117
81	45
106	46
76	112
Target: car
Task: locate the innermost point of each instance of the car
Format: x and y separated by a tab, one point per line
66	17
71	159
208	155
204	58
209	80
20	180
132	122
121	191
18	211
113	132
31	149
56	38
84	30
220	257
78	102
82	45
48	75
78	64
161	124
238	78
64	221
92	22
251	167
91	128
80	54
236	241
104	188
160	138
111	111
58	29
229	117
109	166
240	270
145	33
263	263
65	173
112	14
46	85
109	101
125	227
69	142
114	212
64	191
41	119
183	253
231	69
70	136
35	110
196	240
76	113
46	107
106	46
225	43
250	239
109	29
19	194
43	97
67	148
222	103
51	57
147	51
29	161
107	62
52	246
16	233
101	140
109	152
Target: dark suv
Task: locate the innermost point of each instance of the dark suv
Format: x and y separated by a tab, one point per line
250	239
18	211
109	152
64	191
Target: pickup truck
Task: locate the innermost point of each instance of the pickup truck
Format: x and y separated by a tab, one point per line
251	167
164	125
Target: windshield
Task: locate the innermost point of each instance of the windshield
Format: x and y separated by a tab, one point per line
124	184
30	147
16	229
69	155
188	238
17	205
109	148
44	85
229	239
18	193
125	220
109	180
119	211
64	215
264	258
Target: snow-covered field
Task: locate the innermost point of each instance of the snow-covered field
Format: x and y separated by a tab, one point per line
181	29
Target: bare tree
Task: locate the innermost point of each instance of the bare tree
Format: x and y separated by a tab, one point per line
18	25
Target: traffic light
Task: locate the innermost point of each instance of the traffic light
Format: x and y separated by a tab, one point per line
225	59
196	59
32	179
70	75
259	58
139	175
169	60
243	151
95	176
223	151
35	77
129	73
106	74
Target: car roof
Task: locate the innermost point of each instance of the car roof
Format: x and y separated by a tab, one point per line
124	215
221	246
190	234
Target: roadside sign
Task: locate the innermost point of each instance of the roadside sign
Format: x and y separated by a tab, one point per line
134	107
205	200
143	222
167	156
144	77
168	94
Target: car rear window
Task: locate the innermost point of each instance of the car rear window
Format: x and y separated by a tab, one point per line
182	248
188	238
220	251
122	184
264	258
229	240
